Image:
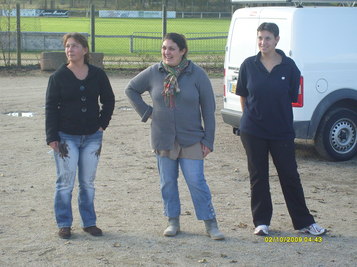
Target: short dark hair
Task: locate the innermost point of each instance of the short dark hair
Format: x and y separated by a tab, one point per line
270	27
177	38
80	38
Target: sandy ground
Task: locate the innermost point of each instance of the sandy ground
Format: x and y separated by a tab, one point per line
128	201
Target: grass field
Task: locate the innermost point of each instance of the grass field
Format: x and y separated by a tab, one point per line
112	26
117	50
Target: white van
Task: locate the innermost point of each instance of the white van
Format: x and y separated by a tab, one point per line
323	43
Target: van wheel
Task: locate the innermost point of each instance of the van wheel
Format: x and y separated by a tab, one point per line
336	137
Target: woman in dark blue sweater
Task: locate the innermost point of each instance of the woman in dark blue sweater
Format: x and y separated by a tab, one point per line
267	84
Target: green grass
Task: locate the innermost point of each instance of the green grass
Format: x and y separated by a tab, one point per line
117	50
112	26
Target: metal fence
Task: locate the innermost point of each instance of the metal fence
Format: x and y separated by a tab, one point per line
198	42
125	42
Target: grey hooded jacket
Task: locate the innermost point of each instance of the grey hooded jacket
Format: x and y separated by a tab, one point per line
193	105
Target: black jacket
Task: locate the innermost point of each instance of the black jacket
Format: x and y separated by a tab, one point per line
72	105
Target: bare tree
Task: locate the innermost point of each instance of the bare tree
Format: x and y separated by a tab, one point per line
5	34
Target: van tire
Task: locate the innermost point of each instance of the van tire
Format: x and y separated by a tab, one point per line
336	138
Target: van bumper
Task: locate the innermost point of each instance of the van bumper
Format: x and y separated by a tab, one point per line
232	117
302	129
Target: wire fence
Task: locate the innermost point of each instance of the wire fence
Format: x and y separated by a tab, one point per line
126	38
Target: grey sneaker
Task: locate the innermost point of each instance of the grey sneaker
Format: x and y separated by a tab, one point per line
173	228
212	229
262	230
313	229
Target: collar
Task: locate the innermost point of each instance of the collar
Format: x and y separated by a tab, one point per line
189	68
280	52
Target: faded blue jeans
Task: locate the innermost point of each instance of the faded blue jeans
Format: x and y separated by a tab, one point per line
200	193
76	152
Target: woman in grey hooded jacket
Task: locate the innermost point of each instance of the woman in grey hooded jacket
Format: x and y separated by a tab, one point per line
182	97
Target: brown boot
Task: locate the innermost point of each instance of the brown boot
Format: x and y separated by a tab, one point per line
93	230
64	232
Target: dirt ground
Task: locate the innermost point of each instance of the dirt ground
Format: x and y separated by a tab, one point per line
128	201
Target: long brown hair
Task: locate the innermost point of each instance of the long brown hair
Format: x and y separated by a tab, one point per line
80	39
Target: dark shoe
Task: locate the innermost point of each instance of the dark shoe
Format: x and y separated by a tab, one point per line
64	232
93	230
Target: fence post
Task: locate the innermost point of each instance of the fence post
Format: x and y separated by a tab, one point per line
131	44
18	35
92	27
164	18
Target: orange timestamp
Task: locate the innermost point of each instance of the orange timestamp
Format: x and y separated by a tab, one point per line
292	239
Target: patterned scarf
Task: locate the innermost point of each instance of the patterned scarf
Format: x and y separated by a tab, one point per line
171	88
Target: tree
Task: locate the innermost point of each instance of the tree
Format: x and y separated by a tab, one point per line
5	36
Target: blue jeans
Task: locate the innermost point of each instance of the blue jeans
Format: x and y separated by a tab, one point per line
80	151
193	172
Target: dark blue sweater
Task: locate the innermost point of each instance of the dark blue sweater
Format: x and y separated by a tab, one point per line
268	111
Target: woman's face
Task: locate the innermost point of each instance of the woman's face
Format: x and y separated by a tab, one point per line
74	50
267	42
171	53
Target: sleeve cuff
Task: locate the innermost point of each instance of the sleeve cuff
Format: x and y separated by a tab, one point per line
147	114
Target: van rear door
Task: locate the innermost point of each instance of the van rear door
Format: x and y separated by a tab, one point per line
242	43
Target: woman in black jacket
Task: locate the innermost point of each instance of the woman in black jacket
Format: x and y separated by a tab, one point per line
75	122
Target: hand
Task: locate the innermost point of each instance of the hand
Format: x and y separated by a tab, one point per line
205	150
54	145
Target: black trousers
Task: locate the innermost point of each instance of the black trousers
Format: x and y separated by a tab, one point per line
283	155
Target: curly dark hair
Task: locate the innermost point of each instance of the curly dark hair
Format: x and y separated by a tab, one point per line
179	39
